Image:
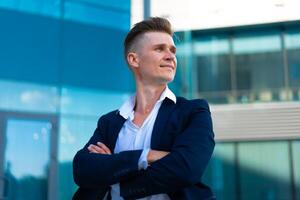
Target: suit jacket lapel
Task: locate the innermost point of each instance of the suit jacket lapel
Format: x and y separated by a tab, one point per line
161	120
114	129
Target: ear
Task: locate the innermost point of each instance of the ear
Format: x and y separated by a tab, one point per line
133	60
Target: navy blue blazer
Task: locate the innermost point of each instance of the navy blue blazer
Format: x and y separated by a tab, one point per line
184	129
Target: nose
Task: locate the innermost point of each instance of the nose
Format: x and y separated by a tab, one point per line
170	56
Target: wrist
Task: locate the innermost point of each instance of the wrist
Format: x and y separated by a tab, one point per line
150	156
143	160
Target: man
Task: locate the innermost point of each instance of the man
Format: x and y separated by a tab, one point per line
156	146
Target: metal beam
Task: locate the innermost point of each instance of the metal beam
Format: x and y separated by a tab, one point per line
147	9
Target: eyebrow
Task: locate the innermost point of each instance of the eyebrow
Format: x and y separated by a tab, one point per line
163	44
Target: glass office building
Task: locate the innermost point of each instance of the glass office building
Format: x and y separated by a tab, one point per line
242	64
251	77
61	67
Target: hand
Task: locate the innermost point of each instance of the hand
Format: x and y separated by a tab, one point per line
99	148
155	155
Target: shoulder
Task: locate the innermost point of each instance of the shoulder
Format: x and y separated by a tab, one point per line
111	114
108	116
196	109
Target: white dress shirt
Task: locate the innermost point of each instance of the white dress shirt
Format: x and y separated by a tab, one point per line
132	137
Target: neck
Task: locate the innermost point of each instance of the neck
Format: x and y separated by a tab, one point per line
147	96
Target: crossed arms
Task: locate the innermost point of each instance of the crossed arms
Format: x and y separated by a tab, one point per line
182	167
152	156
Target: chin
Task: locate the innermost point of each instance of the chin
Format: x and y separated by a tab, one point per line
164	79
169	79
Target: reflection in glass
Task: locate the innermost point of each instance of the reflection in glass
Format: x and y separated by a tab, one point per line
83	101
123	5
256	56
262	96
45	7
296	167
212	64
184	64
264	170
292	40
74	133
218	97
27	159
97	15
221	172
28	97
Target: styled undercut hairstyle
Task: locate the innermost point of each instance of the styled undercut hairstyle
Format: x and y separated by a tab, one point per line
153	24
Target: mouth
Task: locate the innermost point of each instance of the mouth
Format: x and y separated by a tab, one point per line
168	66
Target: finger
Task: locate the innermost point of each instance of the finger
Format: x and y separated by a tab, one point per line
91	149
99	149
96	149
104	147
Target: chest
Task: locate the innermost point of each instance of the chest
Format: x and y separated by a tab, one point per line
133	137
139	119
159	135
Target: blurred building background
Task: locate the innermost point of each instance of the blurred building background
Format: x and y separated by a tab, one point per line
61	67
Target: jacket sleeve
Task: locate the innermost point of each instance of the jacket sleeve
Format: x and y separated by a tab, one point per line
185	164
91	170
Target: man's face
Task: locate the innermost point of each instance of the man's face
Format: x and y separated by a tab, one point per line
156	58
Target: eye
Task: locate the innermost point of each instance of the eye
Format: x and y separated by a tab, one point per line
159	49
173	50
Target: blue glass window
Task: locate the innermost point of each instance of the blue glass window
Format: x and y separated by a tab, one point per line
292	42
42	7
28	97
118	5
97	15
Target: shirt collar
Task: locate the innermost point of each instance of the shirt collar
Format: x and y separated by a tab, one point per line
126	110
